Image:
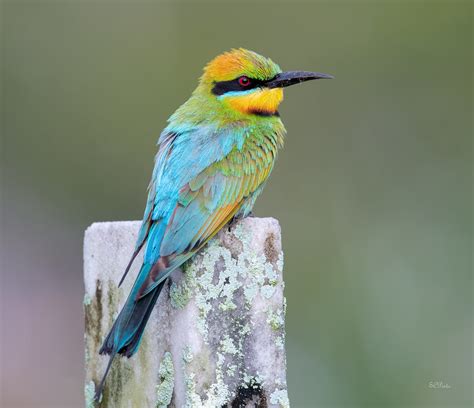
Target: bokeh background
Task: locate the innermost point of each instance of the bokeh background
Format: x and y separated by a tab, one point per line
373	189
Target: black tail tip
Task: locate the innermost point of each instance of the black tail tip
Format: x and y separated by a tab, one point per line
98	393
97	396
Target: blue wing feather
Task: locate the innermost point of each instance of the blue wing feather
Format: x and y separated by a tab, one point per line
182	158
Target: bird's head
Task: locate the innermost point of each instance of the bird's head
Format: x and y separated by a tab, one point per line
249	83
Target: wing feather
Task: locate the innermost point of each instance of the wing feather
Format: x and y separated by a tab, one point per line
189	202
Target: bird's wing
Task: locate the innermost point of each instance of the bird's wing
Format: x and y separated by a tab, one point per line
165	144
181	221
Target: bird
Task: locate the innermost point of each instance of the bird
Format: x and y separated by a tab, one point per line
214	158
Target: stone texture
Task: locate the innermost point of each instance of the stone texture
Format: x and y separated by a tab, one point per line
216	335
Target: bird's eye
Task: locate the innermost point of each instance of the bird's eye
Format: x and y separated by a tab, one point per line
244	81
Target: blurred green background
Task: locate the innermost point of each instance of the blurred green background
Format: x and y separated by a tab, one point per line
373	189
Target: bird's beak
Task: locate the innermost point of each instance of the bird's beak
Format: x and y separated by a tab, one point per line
294	77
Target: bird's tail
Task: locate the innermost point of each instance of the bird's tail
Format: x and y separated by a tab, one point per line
127	330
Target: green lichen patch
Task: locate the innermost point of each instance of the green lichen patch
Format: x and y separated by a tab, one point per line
187	355
87	355
280	397
193	400
228	346
253	380
279	263
271	274
227	305
280	342
181	292
217	394
231	369
275	319
164	390
268	291
89	392
219	391
87	299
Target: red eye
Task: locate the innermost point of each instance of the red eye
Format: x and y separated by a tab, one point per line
244	81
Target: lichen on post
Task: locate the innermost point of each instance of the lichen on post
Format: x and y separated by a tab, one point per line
216	335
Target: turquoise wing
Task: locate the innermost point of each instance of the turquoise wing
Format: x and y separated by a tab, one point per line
197	188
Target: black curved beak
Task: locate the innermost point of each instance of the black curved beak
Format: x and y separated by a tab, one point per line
294	77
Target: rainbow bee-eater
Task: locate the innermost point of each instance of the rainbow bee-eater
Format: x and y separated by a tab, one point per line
213	160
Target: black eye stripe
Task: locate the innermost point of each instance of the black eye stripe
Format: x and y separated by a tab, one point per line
222	87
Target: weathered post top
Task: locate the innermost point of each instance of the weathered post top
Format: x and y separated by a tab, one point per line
216	335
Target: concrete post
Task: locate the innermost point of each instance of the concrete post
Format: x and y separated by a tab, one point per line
216	336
